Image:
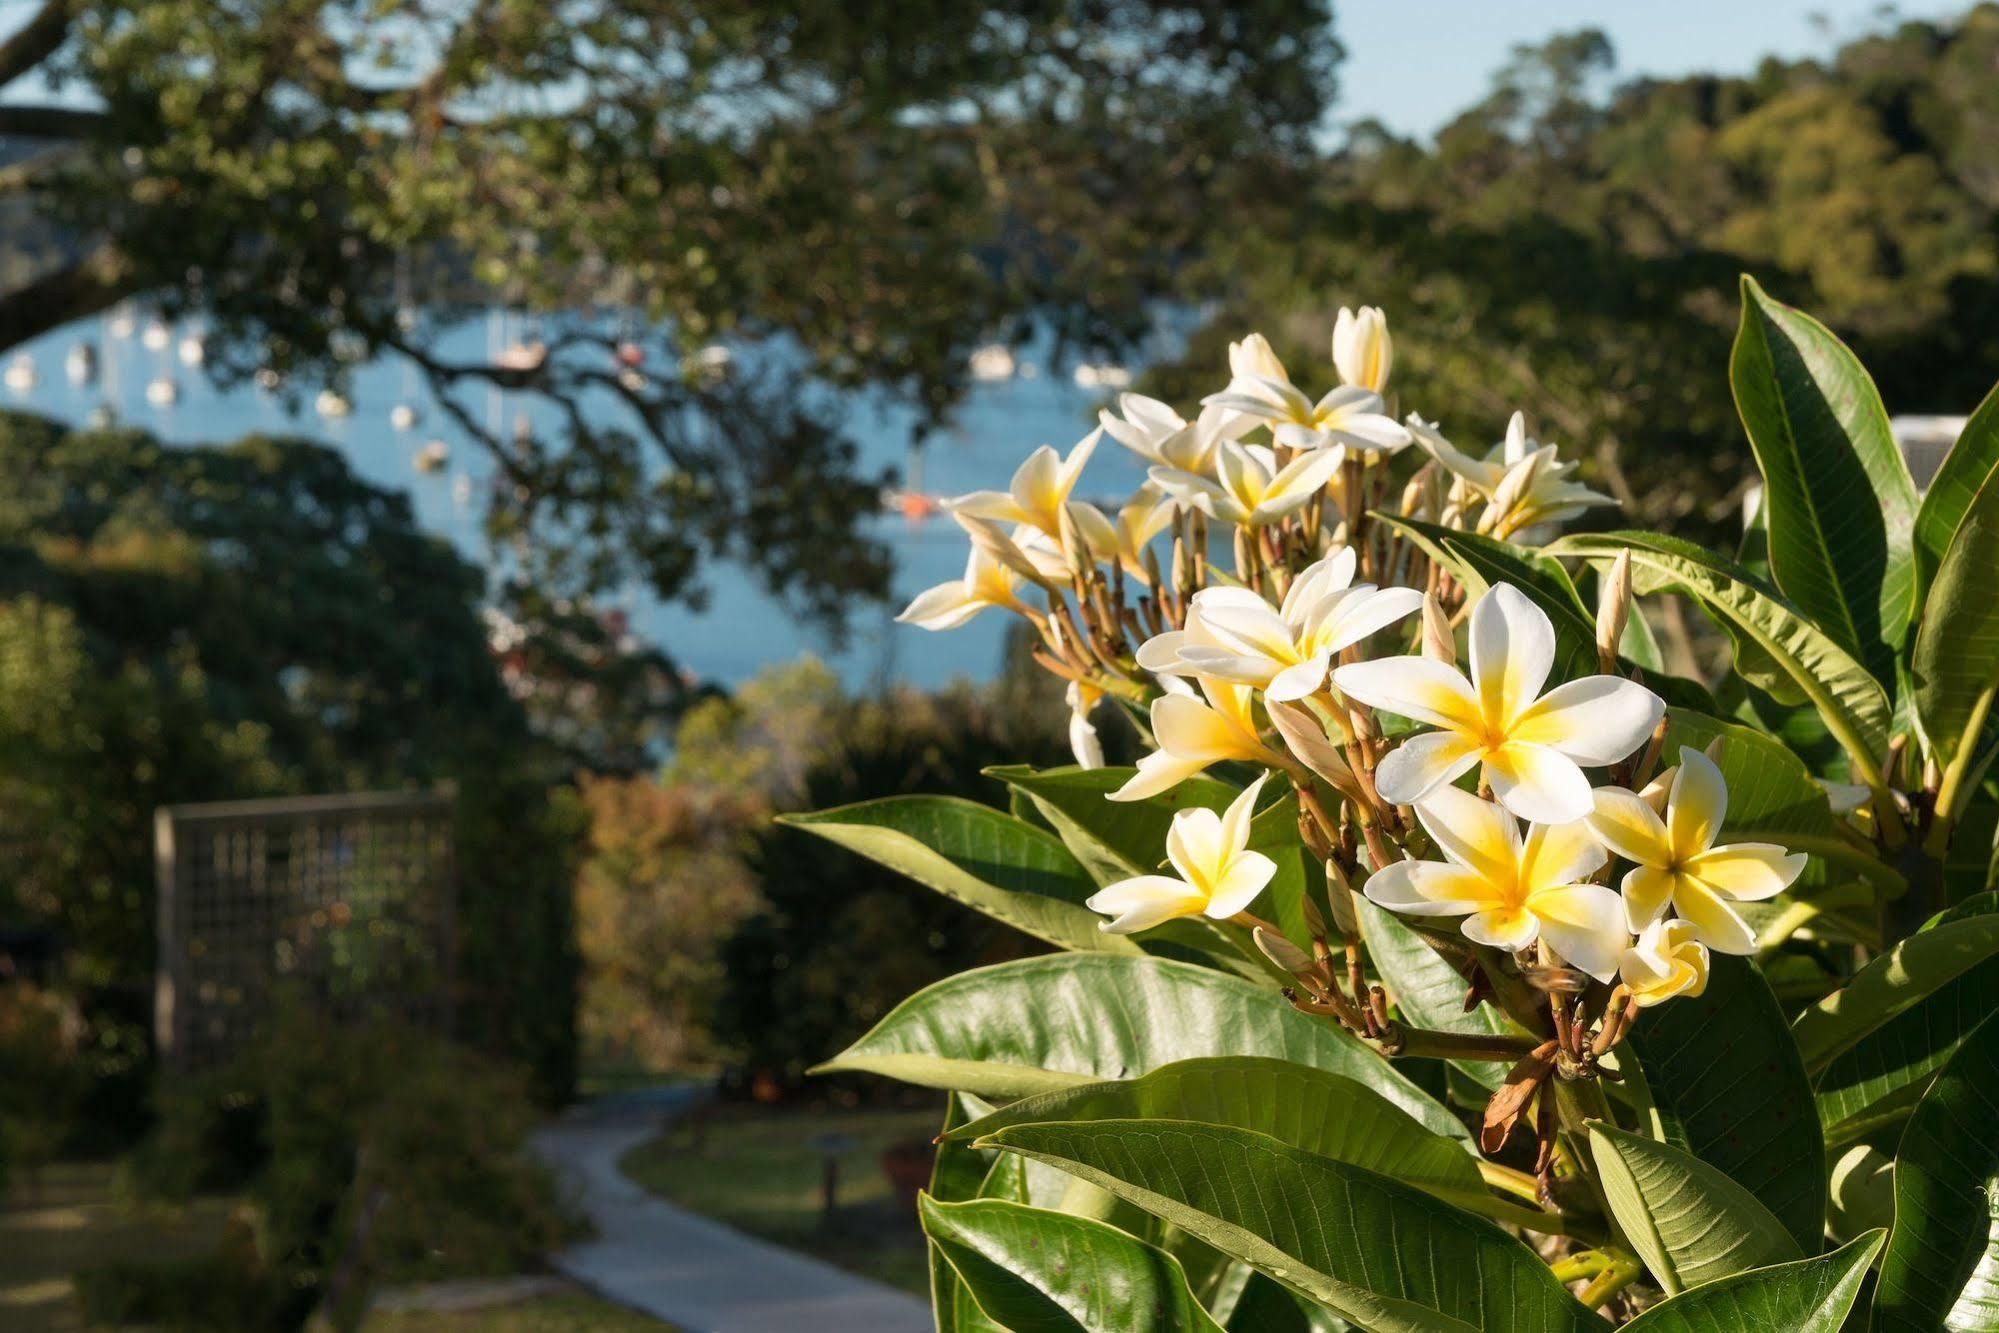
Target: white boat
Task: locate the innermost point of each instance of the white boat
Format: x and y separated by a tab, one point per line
992	362
156	336
404	416
122	324
331	404
193	351
269	380
21	374
1101	376
633	381
433	456
162	391
81	363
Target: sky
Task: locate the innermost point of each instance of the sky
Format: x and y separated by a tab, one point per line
1413	64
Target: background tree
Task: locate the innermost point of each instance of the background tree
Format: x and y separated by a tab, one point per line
1571	247
180	625
862	192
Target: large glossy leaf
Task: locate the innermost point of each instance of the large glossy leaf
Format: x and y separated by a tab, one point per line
1479	562
1036	1271
1324	1113
1841	506
1379	1252
1041	1024
1121	838
1942	1265
959	1171
1426	988
1956	661
984	858
1778	649
1809	1296
1689	1222
1879	1077
1728	1086
1899	979
1965	468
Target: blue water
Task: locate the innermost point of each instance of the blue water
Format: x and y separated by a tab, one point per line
742	628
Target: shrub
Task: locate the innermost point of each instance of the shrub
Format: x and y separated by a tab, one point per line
1419	996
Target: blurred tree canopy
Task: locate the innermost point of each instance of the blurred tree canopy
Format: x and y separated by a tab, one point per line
197	624
1572	248
863	191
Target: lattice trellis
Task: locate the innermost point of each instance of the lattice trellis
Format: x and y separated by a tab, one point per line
345	900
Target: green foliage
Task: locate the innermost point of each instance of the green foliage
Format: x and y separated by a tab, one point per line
859	212
195	624
367	1152
1809	1295
1688	1221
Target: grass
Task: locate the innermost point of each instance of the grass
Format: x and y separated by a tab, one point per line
70	1218
759	1172
558	1312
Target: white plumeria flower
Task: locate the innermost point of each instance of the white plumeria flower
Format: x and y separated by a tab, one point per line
1218	876
1252	491
1123	540
1667	960
1676	861
1525	479
1038	492
1252	359
1362	350
1283	651
1533	746
1511	890
1193	735
1083	740
1026	551
987	582
1156	433
1348	416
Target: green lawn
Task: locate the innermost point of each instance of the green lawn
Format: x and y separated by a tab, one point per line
559	1312
759	1172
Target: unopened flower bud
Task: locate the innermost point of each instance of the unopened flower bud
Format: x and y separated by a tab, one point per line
1304	737
1339	897
1287	956
1613	608
1715	748
1439	644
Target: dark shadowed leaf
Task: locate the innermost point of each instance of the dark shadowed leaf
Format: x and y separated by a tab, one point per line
1809	1296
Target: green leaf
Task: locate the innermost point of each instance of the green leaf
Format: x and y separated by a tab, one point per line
1728	1086
1809	1296
1036	1271
1040	1024
1426	988
1942	1265
1689	1222
1778	649
1379	1252
1965	468
1124	838
1841	506
1956	661
959	1171
1878	1078
1895	981
979	856
1479	562
1324	1113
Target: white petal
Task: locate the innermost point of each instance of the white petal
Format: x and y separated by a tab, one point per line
1161	652
1144	902
1192	729
1512	651
1236	819
1242	879
1595	721
1538	783
1560	854
1300	681
1318	580
1747	871
1427	888
1507	928
1158	772
1719	925
1474	833
1356	617
1196	846
1414	687
1647	890
945	606
1585	923
1423	765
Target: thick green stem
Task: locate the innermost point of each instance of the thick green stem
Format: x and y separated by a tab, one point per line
1495	1047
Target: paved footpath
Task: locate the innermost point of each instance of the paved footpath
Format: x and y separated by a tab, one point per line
697	1275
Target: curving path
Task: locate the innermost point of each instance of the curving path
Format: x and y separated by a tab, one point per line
696	1274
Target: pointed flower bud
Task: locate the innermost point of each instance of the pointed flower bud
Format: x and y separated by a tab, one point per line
1439	645
1613	608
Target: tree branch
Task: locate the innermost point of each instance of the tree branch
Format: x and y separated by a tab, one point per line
99	280
35	41
50	122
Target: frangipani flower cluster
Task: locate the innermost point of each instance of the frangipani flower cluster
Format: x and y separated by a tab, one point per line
1259	609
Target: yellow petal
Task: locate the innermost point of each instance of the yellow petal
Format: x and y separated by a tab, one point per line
1538	783
1144	901
1559	854
1697	805
1194	845
1585	924
1158	772
1512	651
1719	926
1647	890
1241	880
1625	824
1475	834
1747	871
